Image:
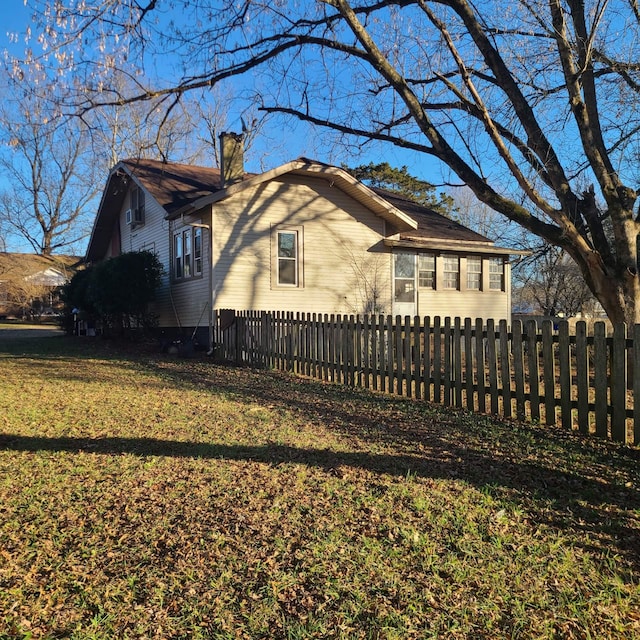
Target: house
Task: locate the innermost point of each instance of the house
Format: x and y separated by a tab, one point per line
303	237
30	283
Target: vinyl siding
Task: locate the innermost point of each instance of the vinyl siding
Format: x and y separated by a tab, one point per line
190	296
344	267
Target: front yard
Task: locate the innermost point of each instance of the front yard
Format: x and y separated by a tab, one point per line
149	497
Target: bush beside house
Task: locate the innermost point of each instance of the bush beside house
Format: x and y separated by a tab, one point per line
112	297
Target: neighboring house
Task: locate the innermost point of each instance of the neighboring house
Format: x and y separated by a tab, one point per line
30	284
304	237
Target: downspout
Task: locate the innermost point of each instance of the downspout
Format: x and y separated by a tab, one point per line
211	296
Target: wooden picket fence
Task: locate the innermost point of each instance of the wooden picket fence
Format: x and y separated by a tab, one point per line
580	380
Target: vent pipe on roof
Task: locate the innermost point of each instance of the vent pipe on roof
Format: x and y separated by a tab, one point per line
231	158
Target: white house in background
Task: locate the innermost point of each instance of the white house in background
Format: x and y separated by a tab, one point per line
303	237
30	283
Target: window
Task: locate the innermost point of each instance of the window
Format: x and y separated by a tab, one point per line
287	258
187	253
186	247
197	251
177	256
137	206
474	272
404	277
427	270
496	274
450	272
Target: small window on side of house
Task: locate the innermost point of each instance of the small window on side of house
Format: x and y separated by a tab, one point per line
496	274
474	273
197	251
287	244
178	271
137	206
451	272
186	248
427	270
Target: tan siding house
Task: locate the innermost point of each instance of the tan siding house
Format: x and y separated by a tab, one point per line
304	237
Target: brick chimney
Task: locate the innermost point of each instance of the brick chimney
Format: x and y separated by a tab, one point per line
231	158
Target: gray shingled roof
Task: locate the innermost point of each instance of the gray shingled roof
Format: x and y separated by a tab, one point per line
174	185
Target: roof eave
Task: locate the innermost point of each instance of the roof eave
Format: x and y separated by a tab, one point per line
446	244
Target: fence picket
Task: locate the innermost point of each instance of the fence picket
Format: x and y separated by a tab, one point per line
619	383
468	364
492	364
426	361
518	368
457	363
582	376
448	376
564	363
480	367
600	378
505	368
533	369
437	359
417	357
548	373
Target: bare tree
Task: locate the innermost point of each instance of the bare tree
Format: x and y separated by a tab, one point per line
532	104
50	179
551	284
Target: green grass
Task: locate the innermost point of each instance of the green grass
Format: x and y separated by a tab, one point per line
149	497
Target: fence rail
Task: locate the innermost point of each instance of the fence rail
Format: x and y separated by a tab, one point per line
580	380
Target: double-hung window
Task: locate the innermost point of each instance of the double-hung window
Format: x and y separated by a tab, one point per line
496	274
178	256
186	245
427	270
137	206
451	272
197	251
187	253
474	273
288	258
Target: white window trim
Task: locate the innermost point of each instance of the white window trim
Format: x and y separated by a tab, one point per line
182	233
299	260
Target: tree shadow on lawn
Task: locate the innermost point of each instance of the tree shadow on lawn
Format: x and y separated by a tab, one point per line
601	514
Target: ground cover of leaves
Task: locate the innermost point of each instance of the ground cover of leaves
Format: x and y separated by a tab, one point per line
149	497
